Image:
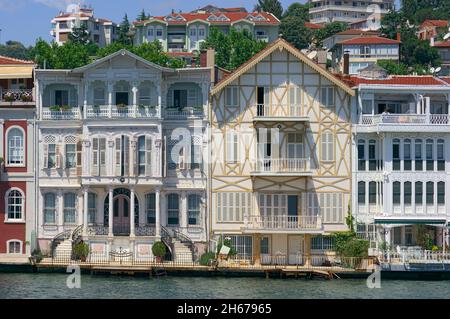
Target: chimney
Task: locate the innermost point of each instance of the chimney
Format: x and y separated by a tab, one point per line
208	59
322	58
346	66
432	42
399	36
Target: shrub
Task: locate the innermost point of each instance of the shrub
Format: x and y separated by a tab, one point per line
81	251
226	242
159	249
206	258
37	255
26	98
348	245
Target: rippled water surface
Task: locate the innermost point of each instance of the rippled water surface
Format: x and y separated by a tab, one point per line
54	286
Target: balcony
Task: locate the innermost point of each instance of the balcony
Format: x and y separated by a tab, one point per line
70	114
16	97
276	112
179	39
283	223
404	122
283	167
121	112
182	114
262	37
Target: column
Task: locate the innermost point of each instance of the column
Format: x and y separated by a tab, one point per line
85	102
80	207
158	92
132	213
111	211
183	210
163	200
2	122
158	212
60	209
135	90
85	210
110	96
307	250
257	250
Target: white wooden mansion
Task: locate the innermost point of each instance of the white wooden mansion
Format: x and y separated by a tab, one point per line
108	162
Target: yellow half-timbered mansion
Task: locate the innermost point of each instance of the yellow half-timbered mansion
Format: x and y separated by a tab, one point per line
280	168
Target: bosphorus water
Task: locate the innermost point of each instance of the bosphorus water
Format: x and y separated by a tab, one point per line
17	286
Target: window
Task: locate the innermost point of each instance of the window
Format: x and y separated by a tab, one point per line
372	193
14	247
50	151
15	205
49	208
144	155
418	155
122	155
396	193
396	154
231	96
407	193
61	97
372	155
193	32
196	153
92	208
173	211
361	155
150	208
419	193
441	193
71	155
150	32
328	205
440	155
99	96
201	32
16	153
407	155
231	207
232	146
265	245
362	193
430	193
194	202
69	208
145	95
327	96
429	155
242	245
295	146
322	243
159	33
98	156
327	146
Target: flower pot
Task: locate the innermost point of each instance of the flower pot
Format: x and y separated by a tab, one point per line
159	259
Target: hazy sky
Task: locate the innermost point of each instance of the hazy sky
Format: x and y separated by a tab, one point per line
26	20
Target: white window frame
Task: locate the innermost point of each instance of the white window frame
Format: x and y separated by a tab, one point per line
8	242
327	151
21	147
327	96
232	146
232	96
22	206
55	208
67	209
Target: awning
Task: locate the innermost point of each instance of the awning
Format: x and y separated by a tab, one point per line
16	72
411	220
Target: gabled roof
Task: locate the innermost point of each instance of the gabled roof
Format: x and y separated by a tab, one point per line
314	26
122	52
358	32
279	44
406	80
5	60
435	23
370	40
445	44
446	79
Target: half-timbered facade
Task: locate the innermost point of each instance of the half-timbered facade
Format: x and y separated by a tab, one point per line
281	159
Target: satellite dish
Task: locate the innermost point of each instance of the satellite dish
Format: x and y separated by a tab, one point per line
432	70
438	69
446	36
312	55
72	8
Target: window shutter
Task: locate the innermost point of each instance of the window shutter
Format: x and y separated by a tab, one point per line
267	96
331	96
230	146
126	156
102	156
79	153
164	162
118	156
45	156
58	156
95	156
148	155
323	96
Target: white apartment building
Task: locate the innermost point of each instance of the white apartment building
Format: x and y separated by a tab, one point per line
103	31
401	158
111	169
327	11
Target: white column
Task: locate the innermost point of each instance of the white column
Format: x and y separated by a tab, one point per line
158	92
85	102
60	209
132	212
111	211
85	209
183	210
163	200
110	95
2	121
80	207
158	212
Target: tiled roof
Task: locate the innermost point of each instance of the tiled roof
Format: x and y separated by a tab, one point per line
445	44
232	17
436	23
409	80
4	60
446	79
81	15
358	32
310	25
370	40
178	54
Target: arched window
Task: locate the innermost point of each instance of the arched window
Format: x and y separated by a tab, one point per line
361	155
418	155
362	193
407	155
441	193
429	153
173	209
14	246
396	154
15	149
372	155
396	193
69	208
440	155
49	208
14	205
327	146
194	202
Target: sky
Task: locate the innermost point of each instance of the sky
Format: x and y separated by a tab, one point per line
26	20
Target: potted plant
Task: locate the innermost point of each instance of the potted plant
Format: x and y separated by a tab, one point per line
81	251
37	256
26	98
159	251
121	105
9	97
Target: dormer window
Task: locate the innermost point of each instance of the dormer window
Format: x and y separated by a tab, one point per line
256	18
175	18
217	18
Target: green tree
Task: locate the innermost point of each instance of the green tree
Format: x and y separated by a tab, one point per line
416	11
15	49
299	10
143	16
53	56
124	31
393	67
329	30
234	48
80	35
272	6
294	31
42	54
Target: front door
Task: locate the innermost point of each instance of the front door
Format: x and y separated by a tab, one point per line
292	217
121	216
295	250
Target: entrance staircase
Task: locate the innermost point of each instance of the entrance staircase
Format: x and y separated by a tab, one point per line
182	252
62	243
180	246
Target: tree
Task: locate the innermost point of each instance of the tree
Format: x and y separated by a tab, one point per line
15	49
393	67
298	10
124	30
143	16
80	35
329	30
234	48
272	6
294	31
416	11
